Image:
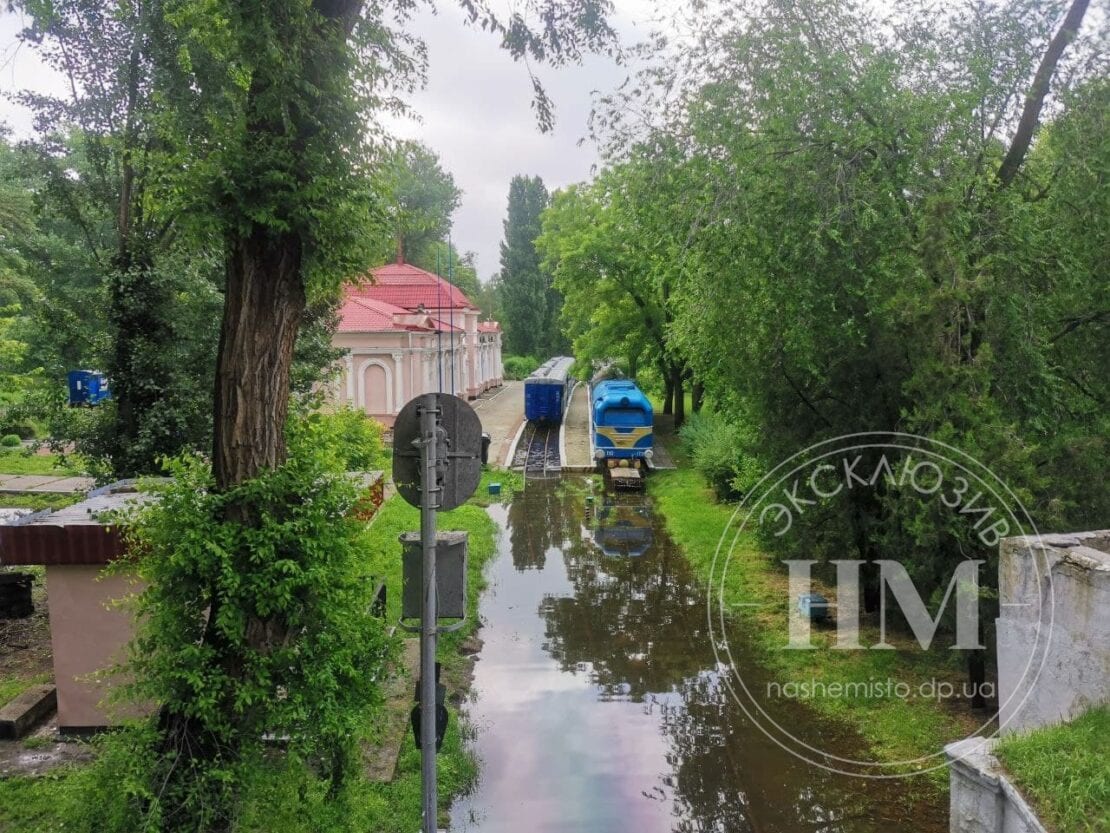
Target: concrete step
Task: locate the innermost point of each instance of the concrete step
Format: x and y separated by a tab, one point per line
18	716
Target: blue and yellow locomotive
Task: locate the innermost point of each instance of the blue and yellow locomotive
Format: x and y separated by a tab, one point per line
621	421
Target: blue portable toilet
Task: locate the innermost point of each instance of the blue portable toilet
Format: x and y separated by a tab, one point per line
87	387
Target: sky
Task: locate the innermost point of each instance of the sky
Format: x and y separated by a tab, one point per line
474	112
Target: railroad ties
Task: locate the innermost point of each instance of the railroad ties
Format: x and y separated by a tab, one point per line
537	453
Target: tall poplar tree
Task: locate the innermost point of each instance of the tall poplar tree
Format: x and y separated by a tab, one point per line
524	287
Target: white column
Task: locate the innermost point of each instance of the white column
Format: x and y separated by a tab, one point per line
350	362
398	383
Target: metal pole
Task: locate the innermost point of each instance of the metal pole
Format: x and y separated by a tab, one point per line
429	501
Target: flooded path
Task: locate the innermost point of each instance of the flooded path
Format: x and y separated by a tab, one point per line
598	702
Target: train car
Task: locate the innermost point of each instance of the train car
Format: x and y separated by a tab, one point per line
621	420
547	391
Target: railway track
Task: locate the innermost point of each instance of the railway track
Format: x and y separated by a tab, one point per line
537	454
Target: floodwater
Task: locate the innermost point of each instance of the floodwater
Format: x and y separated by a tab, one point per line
598	703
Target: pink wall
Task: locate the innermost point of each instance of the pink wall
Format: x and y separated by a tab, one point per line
89	633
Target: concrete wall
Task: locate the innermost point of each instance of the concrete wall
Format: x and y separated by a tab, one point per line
982	799
89	633
1057	586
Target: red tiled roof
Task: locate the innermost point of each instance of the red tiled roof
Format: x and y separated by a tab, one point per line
489	327
405	285
360	314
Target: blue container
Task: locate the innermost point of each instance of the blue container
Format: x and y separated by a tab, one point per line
87	387
814	606
495	488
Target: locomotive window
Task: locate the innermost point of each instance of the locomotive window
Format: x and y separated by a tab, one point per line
624	417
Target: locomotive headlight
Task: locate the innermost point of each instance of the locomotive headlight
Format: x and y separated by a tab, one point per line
649	454
599	454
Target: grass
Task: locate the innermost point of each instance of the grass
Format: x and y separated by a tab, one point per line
18	461
895	729
12	687
1065	771
37	501
282	797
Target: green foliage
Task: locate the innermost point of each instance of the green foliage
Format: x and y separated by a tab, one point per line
720	450
10	441
530	304
1065	771
251	628
358	438
815	228
519	367
423	197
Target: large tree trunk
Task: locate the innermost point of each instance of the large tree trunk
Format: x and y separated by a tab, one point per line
697	396
263	307
668	393
679	393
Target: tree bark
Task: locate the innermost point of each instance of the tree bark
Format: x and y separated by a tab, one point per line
668	392
679	391
1034	99
697	396
263	306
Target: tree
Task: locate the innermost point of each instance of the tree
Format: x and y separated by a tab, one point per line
524	293
423	198
96	155
869	232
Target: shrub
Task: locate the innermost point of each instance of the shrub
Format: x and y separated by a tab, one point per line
359	438
10	441
520	367
255	621
23	430
717	449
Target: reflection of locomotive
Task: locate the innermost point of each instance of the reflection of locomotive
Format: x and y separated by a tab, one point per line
622	525
621	421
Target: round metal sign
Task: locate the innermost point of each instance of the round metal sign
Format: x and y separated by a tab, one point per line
458	450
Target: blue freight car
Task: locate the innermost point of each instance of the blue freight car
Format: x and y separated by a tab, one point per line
547	391
621	420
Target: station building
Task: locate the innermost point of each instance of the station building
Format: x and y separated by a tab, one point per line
406	332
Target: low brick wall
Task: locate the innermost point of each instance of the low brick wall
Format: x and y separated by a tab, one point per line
983	800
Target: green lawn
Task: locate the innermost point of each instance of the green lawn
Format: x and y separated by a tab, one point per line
18	461
1065	771
282	798
895	729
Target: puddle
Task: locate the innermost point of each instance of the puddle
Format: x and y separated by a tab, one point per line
598	704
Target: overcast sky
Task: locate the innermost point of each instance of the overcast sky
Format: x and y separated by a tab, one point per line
475	113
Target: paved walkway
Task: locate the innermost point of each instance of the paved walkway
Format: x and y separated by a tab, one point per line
576	432
501	414
39	483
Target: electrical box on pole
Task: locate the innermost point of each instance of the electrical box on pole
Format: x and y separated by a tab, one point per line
437	447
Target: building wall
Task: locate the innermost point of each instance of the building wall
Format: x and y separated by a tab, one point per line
1058	587
382	371
89	632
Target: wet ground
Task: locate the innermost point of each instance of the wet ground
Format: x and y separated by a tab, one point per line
599	705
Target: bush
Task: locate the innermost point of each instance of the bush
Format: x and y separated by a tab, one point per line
22	430
10	441
717	449
255	621
520	367
359	438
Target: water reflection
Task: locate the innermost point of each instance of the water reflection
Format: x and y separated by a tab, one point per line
598	702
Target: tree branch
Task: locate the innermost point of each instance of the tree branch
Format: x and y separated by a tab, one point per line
1034	100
